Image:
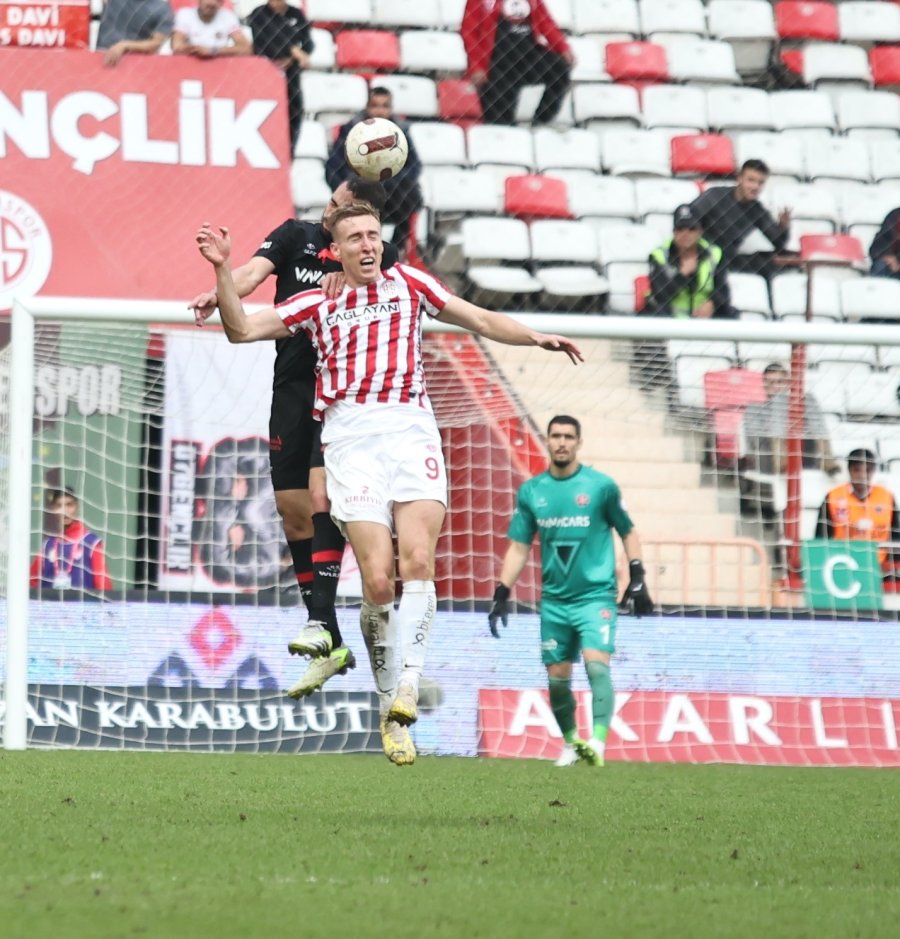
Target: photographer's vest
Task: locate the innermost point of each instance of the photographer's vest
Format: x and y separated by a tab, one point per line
686	301
855	519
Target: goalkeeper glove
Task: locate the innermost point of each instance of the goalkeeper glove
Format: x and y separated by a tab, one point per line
637	596
499	609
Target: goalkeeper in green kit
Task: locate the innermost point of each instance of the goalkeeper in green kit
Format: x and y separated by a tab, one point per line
574	508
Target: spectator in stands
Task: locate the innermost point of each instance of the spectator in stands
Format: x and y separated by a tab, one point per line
686	281
282	33
207	31
133	26
730	213
861	510
885	249
404	195
511	43
72	556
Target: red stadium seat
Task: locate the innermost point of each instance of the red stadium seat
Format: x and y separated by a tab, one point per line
792	59
641	290
530	197
727	393
458	101
885	64
807	19
359	49
703	155
838	249
643	62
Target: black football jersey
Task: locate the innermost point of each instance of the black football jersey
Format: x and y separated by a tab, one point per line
301	253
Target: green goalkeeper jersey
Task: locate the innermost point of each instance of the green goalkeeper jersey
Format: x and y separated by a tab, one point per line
575	517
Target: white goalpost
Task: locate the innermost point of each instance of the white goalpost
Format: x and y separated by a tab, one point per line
161	429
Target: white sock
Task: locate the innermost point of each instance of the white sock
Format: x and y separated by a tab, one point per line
415	615
379	630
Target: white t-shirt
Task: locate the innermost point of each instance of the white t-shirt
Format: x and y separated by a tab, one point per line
215	34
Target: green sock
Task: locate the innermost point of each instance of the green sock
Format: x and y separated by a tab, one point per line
562	701
604	699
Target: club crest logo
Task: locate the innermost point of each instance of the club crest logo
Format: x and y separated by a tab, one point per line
582	499
391	289
26	249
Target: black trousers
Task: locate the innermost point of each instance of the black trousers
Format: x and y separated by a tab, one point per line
295	103
520	61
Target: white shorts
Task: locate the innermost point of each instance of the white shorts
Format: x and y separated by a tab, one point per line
367	475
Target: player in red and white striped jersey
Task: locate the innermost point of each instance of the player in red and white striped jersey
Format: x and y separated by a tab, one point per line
383	459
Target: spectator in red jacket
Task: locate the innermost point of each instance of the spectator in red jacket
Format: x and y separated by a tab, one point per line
72	556
511	43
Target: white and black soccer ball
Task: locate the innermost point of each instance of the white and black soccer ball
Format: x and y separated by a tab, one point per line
376	149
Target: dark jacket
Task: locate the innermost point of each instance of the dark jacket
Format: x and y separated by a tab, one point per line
887	241
667	281
727	222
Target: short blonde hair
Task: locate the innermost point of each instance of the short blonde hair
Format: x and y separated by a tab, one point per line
352	210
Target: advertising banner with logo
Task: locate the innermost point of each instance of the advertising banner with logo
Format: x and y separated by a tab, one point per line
45	24
106	173
691	690
842	575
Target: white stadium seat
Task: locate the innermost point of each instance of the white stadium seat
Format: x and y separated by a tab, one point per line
451	190
749	25
413	95
869	22
309	190
590	59
871	298
885	159
333	93
730	109
571	282
439	143
665	17
783	154
702	61
554	241
561	11
452	14
663	196
510	146
614	105
427	50
789	296
618	18
569	149
637	153
680	107
868	205
805	201
609	197
826	64
323	54
869	113
487	240
629	243
803	112
347	11
838	158
403	13
750	293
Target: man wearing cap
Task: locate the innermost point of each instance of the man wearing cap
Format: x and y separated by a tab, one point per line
862	510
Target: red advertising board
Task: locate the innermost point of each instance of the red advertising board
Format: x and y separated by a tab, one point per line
58	25
106	173
703	727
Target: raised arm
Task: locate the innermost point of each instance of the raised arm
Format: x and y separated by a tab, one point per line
238	326
246	279
504	329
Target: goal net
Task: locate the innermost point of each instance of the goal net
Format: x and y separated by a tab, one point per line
158	430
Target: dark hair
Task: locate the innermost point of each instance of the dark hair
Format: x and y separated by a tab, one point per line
380	90
351	210
774	367
756	165
565	419
54	494
364	190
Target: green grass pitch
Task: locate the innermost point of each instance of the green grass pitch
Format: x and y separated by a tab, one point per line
142	844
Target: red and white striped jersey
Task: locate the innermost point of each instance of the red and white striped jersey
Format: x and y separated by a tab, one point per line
369	340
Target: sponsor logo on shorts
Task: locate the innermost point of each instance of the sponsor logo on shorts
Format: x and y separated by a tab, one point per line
363	498
548	645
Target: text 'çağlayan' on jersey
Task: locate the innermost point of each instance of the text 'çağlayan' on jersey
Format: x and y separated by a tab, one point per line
362	316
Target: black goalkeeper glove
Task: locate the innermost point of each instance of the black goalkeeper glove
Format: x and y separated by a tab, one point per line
499	609
637	597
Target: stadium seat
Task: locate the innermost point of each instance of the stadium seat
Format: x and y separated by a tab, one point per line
641	292
839	249
459	102
571	282
504	146
869	22
865	298
309	191
885	64
838	158
869	114
726	393
333	93
414	95
661	197
561	11
569	149
666	17
367	50
807	19
816	353
805	201
449	190
486	241
885	159
681	108
439	143
750	294
701	61
313	141
690	374
606	105
590	59
426	50
529	99
702	155
730	109
555	242
405	13
807	113
636	153
749	26
638	62
789	296
622	277
782	153
348	11
611	198
531	197
626	243
618	18
755	356
323	54
452	14
830	66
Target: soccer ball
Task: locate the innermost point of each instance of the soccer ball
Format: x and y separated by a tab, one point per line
376	149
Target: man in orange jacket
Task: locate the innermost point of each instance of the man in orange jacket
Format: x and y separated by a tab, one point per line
862	511
511	43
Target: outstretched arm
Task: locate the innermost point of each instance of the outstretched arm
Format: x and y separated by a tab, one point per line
505	329
215	246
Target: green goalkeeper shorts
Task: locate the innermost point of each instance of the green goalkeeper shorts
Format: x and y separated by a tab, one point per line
567	628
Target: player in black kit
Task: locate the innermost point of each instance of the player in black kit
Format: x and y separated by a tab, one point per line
299	255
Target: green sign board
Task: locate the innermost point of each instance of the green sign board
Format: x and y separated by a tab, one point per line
842	575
